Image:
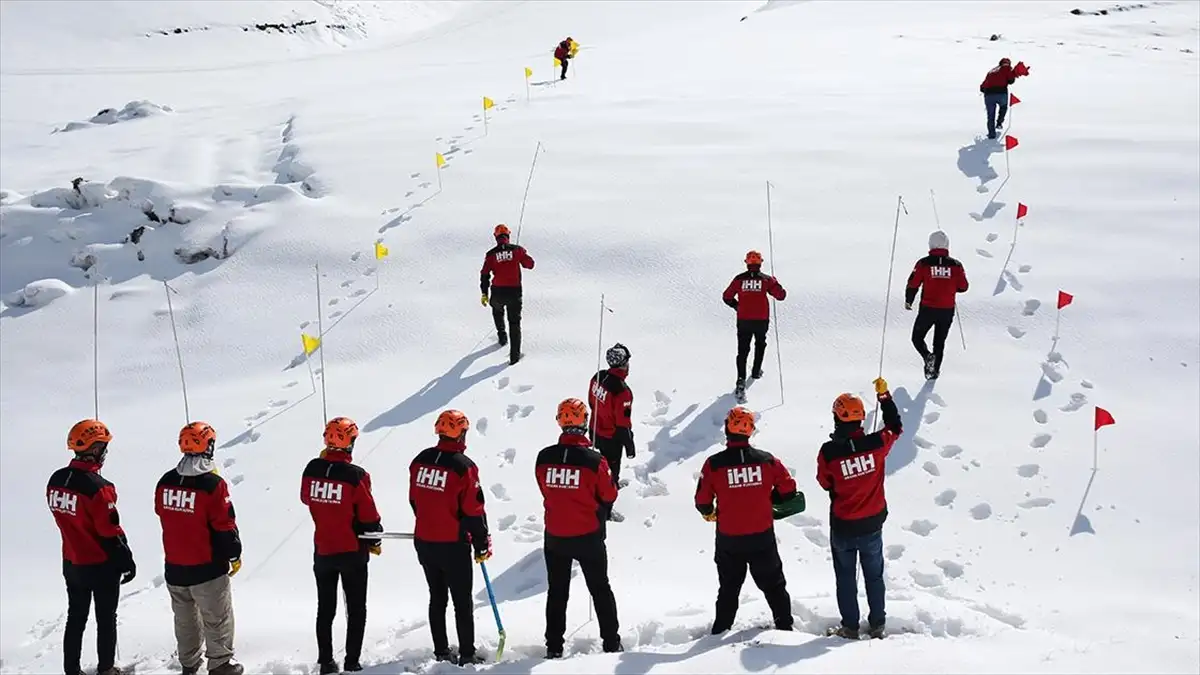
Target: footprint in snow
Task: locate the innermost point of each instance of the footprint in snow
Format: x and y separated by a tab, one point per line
1025	269
1036	503
468	128
1086	384
391	210
408	194
502	383
983	253
355	256
228	463
981	511
992	236
336	315
921	442
951	451
894	551
946	497
510	455
333	301
1040	441
1016	332
1028	470
304	324
922	528
500	491
932	417
522	388
425	184
258	415
515	411
649	522
507	522
931	469
937	400
348	283
482	425
1040	416
950	568
1078	400
925	579
415	175
1031	307
359	293
278	403
817	536
1052	371
468	151
237	480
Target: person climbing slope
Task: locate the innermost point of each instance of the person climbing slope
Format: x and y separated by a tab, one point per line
747	294
940	279
502	273
564	53
995	92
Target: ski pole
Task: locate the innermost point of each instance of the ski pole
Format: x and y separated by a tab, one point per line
887	301
521	218
961	335
487	581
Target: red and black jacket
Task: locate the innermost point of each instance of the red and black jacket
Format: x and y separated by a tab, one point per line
199	527
446	497
747	293
577	490
611	402
563	51
997	80
745	482
502	267
851	467
84	506
338	496
940	278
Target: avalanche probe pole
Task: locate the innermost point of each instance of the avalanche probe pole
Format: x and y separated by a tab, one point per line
321	336
487	581
957	319
774	303
888	300
187	417
521	219
96	349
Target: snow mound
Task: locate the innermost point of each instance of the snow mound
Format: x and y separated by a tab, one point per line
38	293
132	111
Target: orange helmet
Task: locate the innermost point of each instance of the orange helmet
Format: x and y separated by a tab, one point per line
87	433
197	438
340	433
451	424
501	231
849	408
754	258
572	413
739	421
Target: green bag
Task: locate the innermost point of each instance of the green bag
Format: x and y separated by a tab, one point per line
789	508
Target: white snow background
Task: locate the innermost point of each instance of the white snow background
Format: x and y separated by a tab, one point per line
305	146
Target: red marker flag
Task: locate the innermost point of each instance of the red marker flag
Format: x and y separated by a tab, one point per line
1013	100
1010	142
1021	70
1064	299
1022	210
1103	418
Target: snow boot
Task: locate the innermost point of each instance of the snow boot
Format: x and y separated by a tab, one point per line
876	633
930	362
756	374
613	647
739	390
189	671
329	668
502	337
115	670
448	656
513	358
470	658
554	652
229	668
843	632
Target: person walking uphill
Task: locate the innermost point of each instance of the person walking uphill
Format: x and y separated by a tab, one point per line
850	467
564	54
96	555
502	273
940	279
338	495
745	482
611	402
578	493
995	92
747	294
446	496
202	550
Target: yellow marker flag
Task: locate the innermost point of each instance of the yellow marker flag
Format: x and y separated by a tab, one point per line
487	103
528	73
381	251
310	343
441	161
574	48
557	63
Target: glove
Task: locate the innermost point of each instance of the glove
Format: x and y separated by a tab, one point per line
483	300
908	306
881	385
732	303
485	555
711	517
129	573
235	566
377	548
629	452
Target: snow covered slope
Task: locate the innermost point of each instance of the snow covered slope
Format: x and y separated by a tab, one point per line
266	153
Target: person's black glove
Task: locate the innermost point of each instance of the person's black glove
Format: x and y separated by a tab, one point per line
129	573
733	303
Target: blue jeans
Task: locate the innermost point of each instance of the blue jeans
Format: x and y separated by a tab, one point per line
847	553
994	103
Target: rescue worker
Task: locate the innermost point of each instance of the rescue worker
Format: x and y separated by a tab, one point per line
501	273
564	53
940	279
611	402
748	295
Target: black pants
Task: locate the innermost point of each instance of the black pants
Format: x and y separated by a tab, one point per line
746	329
593	560
450	577
612	450
353	575
85	584
939	320
564	68
508	299
766	569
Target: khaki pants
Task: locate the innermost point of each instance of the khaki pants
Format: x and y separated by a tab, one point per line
203	616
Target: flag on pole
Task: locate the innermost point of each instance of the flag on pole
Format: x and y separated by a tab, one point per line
557	63
1010	142
528	73
1013	100
441	160
1022	210
1103	418
310	343
1064	299
381	251
488	103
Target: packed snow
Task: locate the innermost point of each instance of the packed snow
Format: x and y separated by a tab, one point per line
252	155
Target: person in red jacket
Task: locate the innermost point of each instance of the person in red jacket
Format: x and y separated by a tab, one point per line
850	467
447	499
995	92
940	279
611	402
578	493
96	554
501	273
338	495
563	53
747	294
202	550
745	482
